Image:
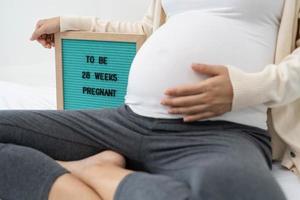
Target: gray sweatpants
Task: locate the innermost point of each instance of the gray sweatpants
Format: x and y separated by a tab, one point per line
209	160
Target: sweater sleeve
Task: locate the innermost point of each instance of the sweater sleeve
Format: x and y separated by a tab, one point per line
276	85
94	24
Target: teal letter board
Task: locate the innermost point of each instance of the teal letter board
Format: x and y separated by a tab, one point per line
93	68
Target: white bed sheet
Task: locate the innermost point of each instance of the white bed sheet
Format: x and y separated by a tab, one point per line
16	96
288	181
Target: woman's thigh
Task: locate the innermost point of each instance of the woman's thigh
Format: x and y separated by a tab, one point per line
216	165
26	173
70	135
227	178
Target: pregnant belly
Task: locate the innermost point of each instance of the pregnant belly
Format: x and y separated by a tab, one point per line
165	59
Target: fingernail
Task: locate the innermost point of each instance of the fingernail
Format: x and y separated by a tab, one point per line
168	92
185	119
163	102
171	111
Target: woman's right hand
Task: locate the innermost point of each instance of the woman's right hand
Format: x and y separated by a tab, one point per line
45	30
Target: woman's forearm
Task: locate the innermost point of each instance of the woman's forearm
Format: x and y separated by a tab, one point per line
276	85
144	26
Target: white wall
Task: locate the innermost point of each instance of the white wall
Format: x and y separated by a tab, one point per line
27	62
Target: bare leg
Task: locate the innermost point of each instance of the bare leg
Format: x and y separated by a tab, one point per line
103	172
70	187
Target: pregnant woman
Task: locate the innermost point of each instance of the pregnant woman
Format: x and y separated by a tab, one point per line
190	128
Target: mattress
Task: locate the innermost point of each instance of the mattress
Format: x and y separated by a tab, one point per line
17	96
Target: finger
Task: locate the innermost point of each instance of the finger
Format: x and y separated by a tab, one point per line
183	101
43	36
210	70
37	33
48	46
39	23
200	116
49	36
184	90
192	110
52	38
49	40
202	87
42	42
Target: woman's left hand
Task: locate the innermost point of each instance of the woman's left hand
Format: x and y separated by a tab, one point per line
208	98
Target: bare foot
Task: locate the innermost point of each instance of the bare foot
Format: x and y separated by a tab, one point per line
104	158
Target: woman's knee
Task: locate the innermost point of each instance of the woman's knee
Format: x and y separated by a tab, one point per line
237	180
29	172
140	185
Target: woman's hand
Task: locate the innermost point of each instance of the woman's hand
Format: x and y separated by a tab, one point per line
45	30
209	98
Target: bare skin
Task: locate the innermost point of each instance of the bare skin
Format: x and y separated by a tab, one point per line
45	30
205	99
69	186
96	177
105	157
